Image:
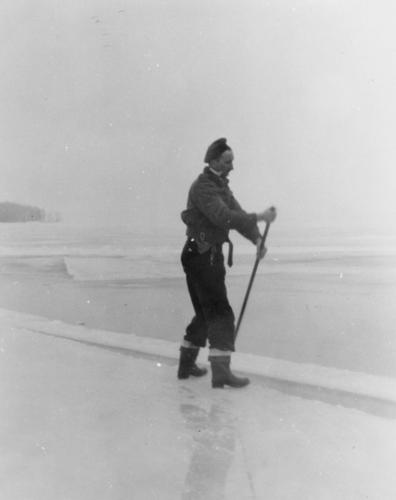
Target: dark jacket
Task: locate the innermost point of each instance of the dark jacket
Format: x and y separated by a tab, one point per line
212	211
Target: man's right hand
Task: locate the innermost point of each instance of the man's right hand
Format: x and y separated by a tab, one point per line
260	251
268	215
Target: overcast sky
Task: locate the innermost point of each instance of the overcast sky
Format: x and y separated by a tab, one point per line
107	107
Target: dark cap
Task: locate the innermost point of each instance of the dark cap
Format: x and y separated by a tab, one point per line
216	149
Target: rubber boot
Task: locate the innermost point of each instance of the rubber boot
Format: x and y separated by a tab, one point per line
222	375
187	365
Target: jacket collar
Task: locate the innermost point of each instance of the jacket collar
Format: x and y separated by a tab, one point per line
218	179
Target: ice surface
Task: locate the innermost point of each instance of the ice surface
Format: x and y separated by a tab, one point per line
93	422
363	384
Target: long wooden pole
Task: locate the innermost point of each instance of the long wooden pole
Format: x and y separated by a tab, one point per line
256	263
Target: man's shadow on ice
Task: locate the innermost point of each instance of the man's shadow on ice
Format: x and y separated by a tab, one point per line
214	439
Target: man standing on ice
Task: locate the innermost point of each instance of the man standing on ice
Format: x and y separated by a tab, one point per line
211	212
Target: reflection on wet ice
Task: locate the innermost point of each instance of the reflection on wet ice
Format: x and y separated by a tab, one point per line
213	433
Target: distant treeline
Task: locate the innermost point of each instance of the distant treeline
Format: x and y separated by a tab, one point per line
14	212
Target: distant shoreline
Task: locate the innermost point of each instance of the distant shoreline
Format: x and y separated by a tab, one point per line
15	213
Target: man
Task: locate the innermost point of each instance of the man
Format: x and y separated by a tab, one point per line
211	212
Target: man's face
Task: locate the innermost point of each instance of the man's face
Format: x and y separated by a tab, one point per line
224	164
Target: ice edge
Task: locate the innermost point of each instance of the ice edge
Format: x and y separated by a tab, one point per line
358	383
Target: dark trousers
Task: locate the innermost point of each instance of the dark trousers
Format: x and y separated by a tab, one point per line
214	318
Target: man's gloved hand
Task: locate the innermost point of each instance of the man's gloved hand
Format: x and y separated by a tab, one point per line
268	215
260	252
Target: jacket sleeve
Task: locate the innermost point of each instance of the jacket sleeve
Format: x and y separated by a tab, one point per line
250	230
231	216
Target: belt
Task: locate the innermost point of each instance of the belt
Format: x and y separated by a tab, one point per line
215	248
